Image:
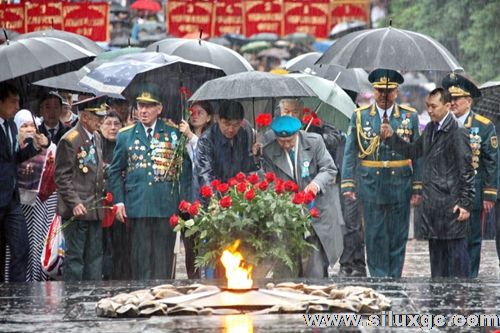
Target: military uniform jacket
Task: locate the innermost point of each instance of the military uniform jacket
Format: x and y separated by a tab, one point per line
484	145
141	174
79	174
382	176
314	163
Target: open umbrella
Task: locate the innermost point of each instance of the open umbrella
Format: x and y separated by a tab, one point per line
332	105
7	34
146	5
79	40
256	46
264	36
121	76
110	55
346	27
203	51
66	82
33	59
300	37
390	48
354	79
274	52
488	104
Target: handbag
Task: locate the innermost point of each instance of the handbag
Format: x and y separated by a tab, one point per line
53	251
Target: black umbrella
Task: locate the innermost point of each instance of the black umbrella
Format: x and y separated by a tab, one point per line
28	60
66	82
390	48
199	50
489	103
354	79
79	40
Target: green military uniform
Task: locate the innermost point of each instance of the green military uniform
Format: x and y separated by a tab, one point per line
142	176
384	180
484	144
79	180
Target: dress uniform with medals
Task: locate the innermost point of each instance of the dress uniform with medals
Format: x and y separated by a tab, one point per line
385	180
484	145
142	177
79	180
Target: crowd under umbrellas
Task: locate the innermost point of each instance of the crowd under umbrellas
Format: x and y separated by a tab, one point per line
215	73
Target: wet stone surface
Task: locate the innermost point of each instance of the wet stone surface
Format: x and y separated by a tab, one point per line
70	307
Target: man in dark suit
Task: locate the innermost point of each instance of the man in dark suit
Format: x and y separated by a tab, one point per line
448	184
12	223
79	179
51	105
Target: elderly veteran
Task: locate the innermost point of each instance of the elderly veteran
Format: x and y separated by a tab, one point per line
148	180
303	158
79	180
385	180
484	144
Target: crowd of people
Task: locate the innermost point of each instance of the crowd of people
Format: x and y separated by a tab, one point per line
364	181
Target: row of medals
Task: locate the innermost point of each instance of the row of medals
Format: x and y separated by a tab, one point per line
475	144
84	159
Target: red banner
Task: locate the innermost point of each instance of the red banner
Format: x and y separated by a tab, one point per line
88	19
263	16
188	17
349	10
43	15
311	17
228	17
12	17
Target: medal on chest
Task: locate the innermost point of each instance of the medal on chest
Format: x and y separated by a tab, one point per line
475	144
404	131
86	157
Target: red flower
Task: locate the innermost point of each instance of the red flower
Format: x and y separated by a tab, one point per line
240	176
263	185
306	110
215	183
250	194
264	120
184	206
241	187
232	181
314	212
194	208
109	197
314	115
316	122
306	119
289	186
185	92
225	202
270	176
109	216
174	219
253	178
279	186
309	197
298	198
223	188
206	191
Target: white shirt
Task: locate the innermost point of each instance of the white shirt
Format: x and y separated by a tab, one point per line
90	135
462	118
152	128
442	120
381	112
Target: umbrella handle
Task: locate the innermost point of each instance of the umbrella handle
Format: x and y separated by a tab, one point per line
6	38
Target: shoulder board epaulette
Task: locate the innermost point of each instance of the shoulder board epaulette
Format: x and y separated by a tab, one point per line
407	108
126	128
361	108
71	135
170	123
482	119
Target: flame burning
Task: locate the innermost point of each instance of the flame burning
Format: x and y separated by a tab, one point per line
238	274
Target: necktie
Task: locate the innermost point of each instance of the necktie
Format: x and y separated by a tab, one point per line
52	133
385	119
149	133
7	136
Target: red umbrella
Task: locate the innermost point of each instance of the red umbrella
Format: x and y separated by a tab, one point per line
146	5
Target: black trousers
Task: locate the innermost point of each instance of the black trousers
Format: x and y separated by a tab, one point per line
449	257
353	255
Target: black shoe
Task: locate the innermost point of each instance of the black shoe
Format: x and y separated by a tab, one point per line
345	271
358	272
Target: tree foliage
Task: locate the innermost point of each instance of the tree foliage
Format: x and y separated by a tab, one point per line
467	28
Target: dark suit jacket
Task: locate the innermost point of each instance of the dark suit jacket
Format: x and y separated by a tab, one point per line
8	165
59	134
448	177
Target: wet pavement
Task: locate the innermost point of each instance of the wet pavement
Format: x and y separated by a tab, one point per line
70	307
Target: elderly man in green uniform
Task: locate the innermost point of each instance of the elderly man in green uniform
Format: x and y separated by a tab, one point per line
148	177
484	144
386	182
79	180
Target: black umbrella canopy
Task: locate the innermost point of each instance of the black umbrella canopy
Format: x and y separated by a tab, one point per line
66	82
199	50
79	40
390	48
489	103
28	60
251	85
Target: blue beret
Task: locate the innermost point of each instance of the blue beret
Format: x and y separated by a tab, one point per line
285	126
